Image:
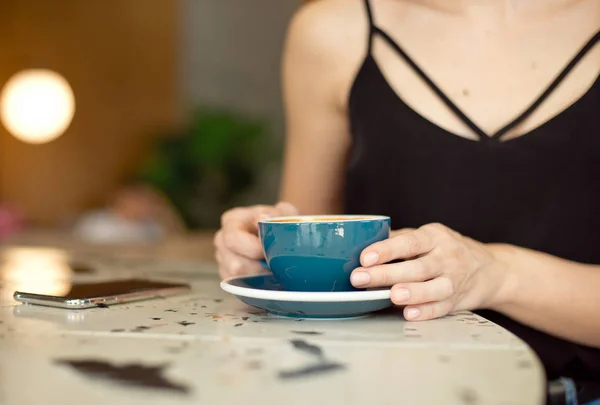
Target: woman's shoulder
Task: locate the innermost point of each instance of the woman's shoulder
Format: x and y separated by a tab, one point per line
329	25
326	43
332	10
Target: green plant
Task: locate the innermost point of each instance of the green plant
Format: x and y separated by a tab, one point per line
207	166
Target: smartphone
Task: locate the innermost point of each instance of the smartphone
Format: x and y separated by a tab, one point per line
106	293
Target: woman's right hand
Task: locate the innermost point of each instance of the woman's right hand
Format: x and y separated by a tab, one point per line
238	249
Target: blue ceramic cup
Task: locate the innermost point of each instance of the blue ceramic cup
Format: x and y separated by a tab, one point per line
318	253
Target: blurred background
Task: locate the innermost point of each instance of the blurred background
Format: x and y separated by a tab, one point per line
136	121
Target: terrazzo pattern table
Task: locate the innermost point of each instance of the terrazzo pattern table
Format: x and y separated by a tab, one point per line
209	348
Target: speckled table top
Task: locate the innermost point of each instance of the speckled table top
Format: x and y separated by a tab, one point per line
207	347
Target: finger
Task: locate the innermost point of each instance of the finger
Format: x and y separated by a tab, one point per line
286	209
220	265
239	228
438	289
422	269
218	256
239	232
217	240
282	209
401	231
403	246
239	241
247	216
431	310
235	266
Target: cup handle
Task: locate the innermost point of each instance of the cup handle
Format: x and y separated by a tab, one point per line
264	264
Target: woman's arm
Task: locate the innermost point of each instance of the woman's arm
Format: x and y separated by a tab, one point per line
443	271
322	55
317	71
553	295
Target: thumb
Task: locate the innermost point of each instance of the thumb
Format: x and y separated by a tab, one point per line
282	209
285	208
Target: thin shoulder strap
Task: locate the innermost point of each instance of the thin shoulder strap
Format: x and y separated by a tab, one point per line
374	29
371	24
432	84
588	46
482	135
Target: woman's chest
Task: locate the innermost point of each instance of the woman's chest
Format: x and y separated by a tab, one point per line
492	70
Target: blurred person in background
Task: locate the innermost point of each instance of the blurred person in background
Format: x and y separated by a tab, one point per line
136	214
473	124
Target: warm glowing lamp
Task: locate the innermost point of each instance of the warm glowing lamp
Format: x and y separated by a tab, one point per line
37	105
41	270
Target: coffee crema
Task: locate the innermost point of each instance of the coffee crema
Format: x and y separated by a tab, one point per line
319	219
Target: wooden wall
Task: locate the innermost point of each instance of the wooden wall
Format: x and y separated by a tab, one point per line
120	58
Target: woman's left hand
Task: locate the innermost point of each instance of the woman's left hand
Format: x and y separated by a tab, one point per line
442	271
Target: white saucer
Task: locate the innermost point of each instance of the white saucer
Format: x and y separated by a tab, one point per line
264	292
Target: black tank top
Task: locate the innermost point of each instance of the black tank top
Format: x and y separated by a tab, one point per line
540	190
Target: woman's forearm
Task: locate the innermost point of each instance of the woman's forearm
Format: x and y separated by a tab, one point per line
556	296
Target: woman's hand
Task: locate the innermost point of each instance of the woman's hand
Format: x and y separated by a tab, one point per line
238	249
442	271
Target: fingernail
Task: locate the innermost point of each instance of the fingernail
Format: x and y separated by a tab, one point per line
360	278
370	259
400	295
413	313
